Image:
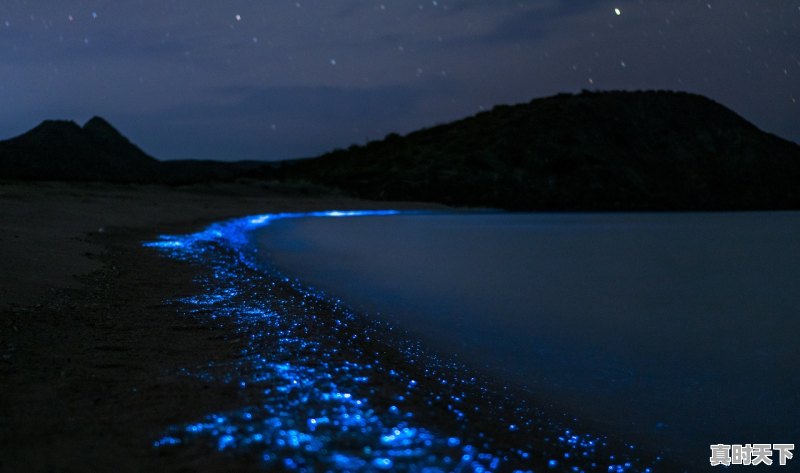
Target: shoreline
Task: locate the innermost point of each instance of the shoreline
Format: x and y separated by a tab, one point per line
484	422
46	235
97	371
90	375
88	360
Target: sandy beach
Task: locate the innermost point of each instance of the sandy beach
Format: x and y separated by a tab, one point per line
102	370
432	237
88	349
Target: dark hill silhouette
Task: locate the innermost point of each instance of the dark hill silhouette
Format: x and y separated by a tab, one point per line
62	150
593	151
110	141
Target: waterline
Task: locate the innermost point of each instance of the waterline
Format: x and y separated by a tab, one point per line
329	389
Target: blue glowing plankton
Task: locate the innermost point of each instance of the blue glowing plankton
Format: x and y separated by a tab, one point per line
327	389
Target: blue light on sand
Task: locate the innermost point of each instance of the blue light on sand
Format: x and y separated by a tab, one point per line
234	232
327	389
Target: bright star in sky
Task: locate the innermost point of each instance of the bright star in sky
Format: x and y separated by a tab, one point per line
403	68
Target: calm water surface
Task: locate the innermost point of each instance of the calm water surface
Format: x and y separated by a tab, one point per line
676	330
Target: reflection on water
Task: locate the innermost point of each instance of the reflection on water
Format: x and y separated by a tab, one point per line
677	330
326	389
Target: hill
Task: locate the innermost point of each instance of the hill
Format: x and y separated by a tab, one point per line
64	151
592	151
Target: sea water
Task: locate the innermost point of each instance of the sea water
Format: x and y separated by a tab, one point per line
674	330
321	387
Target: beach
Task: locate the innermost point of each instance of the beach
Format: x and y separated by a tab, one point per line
359	237
89	350
126	350
632	320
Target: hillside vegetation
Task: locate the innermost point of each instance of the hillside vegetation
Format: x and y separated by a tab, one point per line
593	151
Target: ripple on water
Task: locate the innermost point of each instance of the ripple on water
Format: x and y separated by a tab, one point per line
328	389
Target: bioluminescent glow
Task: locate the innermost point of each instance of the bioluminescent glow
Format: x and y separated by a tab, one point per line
234	232
327	389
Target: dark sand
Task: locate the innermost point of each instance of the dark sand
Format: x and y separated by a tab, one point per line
92	353
88	349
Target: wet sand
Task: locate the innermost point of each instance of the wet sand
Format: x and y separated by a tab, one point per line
49	231
89	351
94	359
633	320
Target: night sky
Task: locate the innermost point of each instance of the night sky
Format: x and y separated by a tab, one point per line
276	79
